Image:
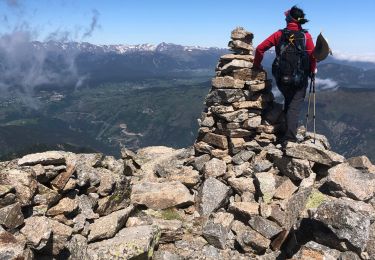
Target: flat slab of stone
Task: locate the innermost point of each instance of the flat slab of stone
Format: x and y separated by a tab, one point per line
129	243
227	82
107	226
265	227
64	206
313	153
344	180
232	56
242	185
212	195
236	116
216	140
186	175
238	64
11	216
163	195
238	44
285	190
248	74
244	209
46	158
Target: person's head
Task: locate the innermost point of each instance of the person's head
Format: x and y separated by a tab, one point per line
296	14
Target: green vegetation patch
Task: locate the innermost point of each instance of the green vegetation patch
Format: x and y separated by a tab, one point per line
315	199
170	214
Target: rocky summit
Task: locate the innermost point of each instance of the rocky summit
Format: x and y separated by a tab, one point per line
235	194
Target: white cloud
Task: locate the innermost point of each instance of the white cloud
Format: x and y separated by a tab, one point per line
326	84
365	57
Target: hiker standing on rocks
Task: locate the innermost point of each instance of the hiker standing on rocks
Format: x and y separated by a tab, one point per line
293	64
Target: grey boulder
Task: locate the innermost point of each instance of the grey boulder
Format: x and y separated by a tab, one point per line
129	243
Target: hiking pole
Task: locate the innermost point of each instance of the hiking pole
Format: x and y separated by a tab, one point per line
314	114
308	107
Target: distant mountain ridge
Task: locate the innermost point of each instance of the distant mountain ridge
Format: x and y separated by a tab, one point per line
119	48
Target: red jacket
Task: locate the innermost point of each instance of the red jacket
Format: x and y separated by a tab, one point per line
274	39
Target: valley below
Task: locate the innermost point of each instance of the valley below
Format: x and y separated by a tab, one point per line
158	111
139	96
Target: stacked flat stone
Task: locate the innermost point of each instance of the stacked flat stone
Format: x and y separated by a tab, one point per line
239	106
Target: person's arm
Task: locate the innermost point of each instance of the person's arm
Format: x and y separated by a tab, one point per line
264	46
310	49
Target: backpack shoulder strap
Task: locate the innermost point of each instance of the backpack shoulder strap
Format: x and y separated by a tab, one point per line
284	35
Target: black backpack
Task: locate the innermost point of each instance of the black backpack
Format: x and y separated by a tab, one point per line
291	66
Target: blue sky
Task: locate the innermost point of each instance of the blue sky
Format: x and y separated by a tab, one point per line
348	25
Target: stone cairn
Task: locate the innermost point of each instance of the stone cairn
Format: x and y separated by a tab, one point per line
240	111
234	195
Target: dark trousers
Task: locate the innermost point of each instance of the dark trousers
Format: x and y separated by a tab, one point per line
292	106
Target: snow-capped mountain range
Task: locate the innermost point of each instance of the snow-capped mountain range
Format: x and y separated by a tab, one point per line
118	48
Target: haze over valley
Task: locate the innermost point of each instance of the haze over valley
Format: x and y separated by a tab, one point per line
86	97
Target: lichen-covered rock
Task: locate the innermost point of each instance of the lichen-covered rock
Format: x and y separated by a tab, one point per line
213	194
249	240
345	220
214	168
362	163
239	33
217	228
46	196
23	182
344	180
11	216
129	243
10	246
295	169
313	153
5	189
227	82
60	235
264	226
242	157
37	231
77	247
370	247
315	251
266	184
